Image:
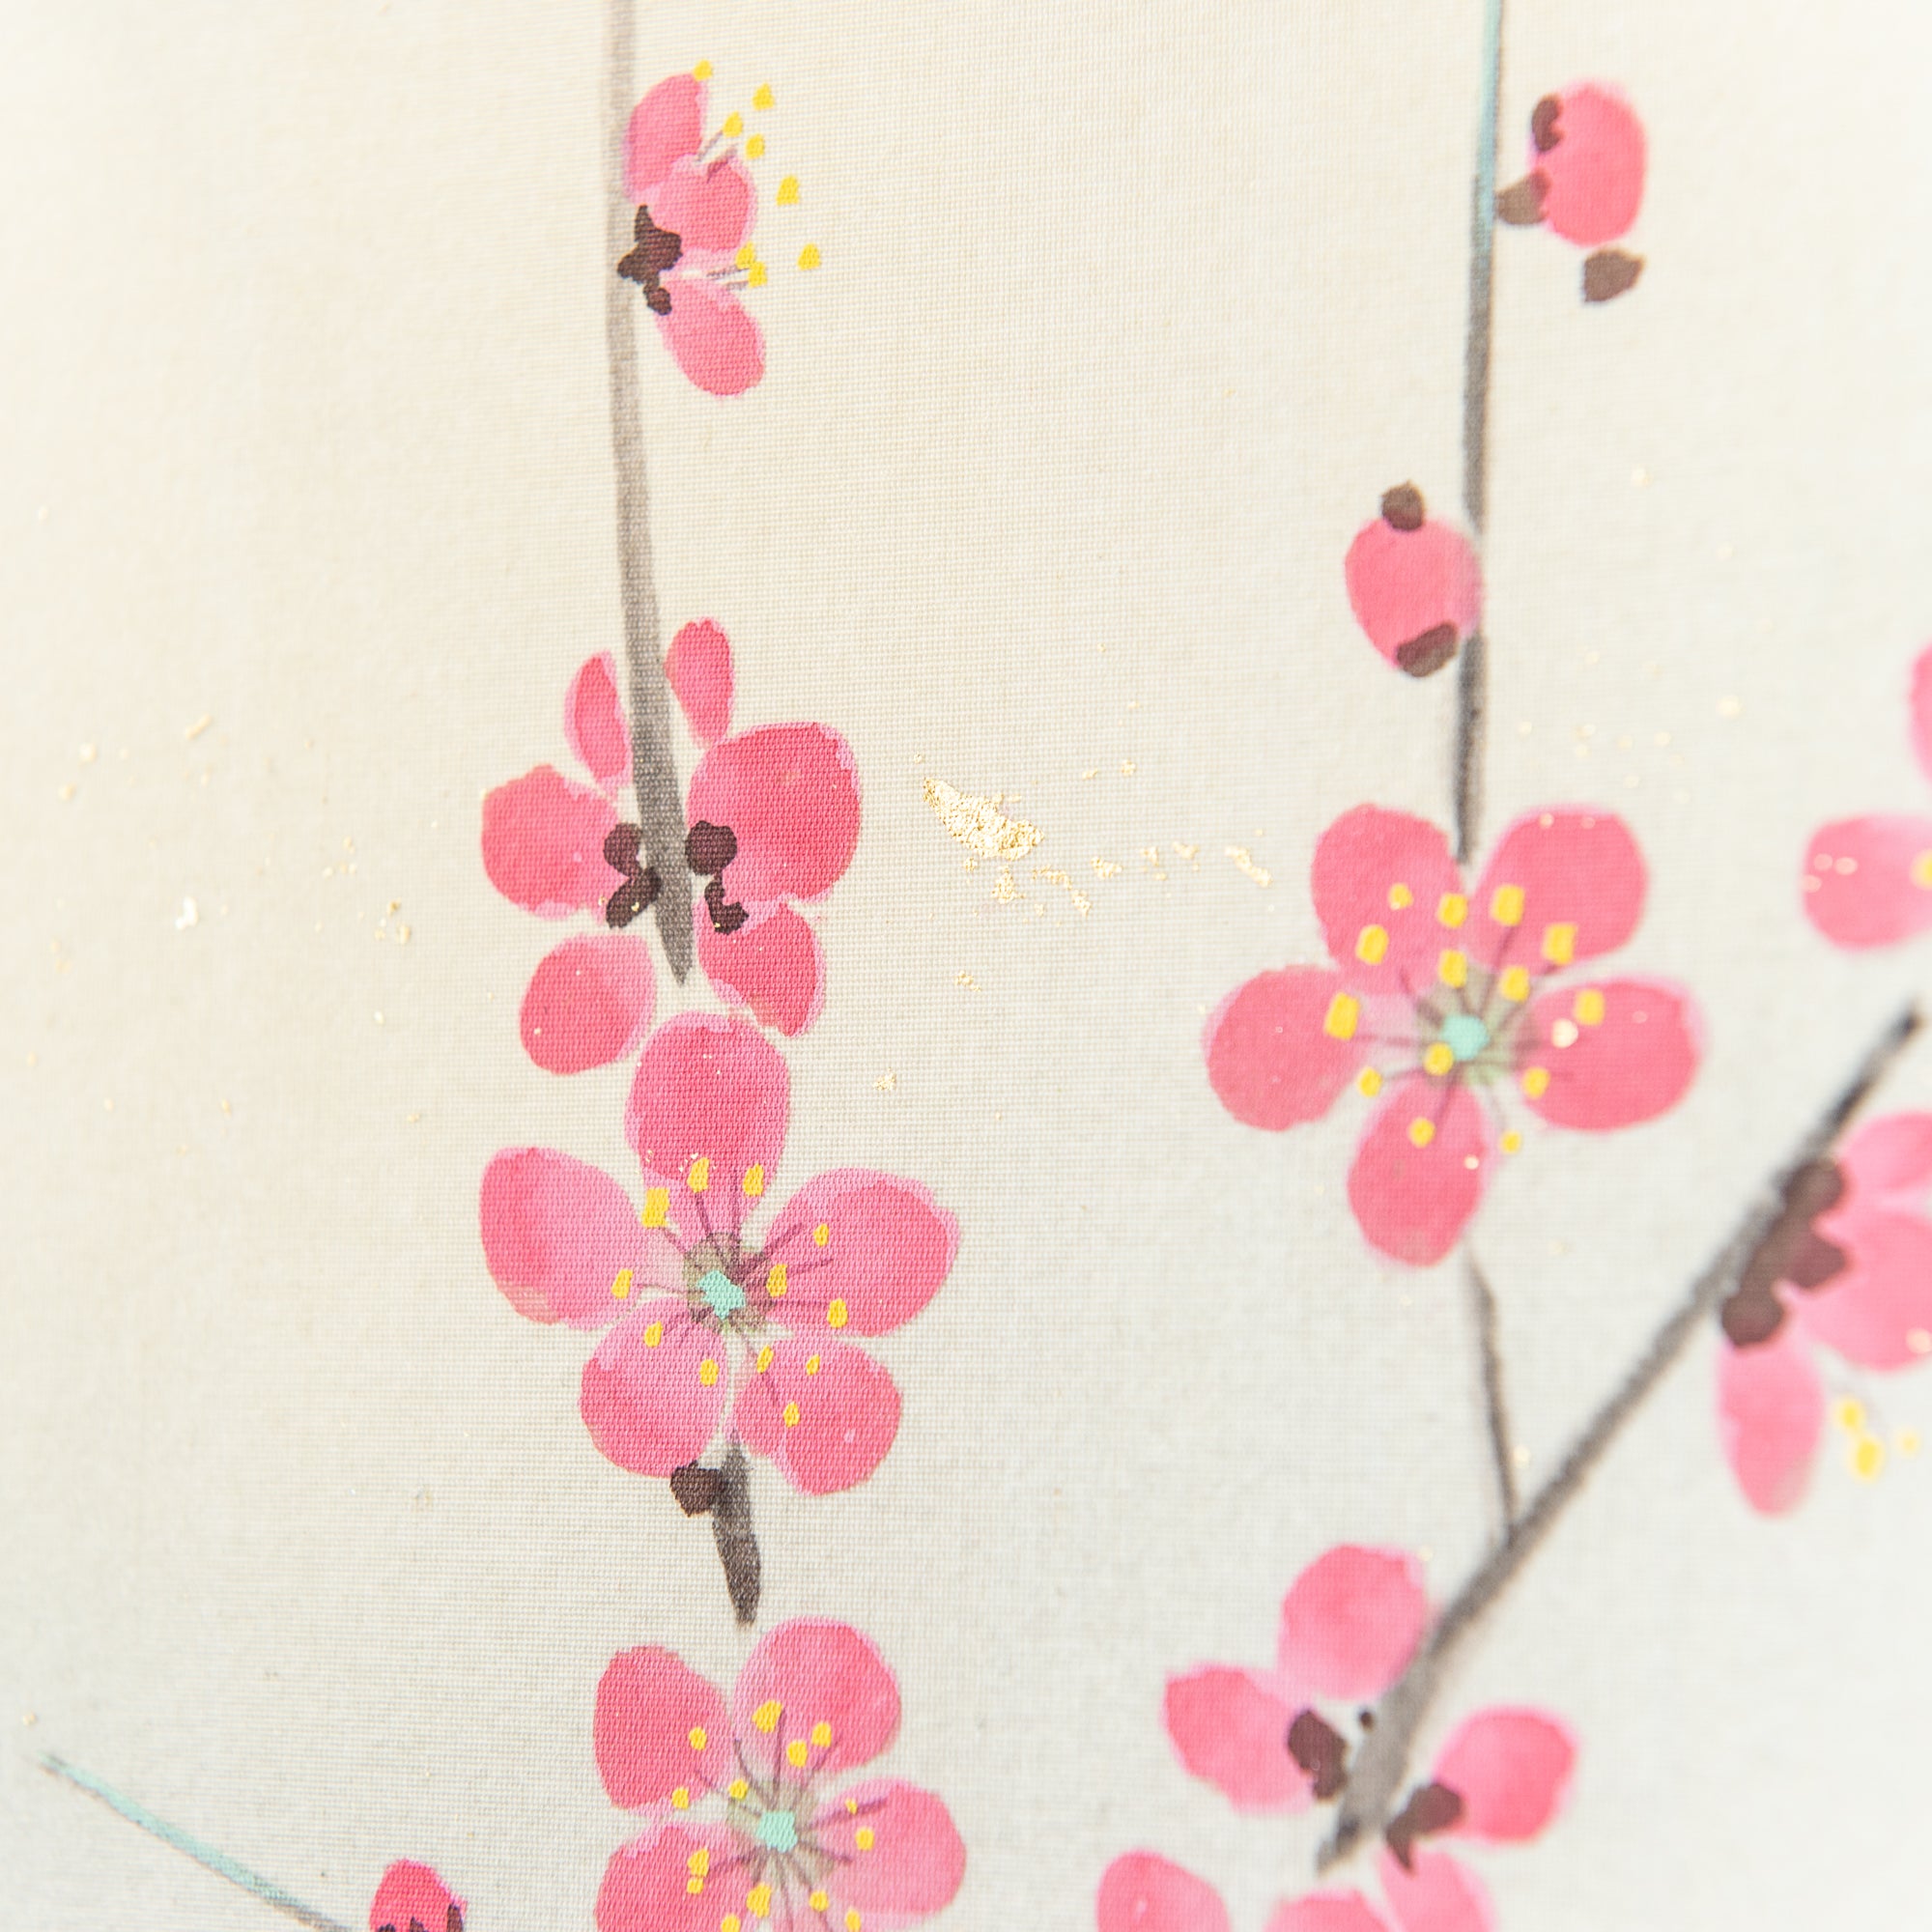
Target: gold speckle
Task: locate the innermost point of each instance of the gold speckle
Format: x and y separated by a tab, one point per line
1730	707
199	725
1003	889
979	823
1107	868
967	980
67	790
887	1082
1244	863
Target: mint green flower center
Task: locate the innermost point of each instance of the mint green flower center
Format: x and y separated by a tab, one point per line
778	1830
724	1294
1465	1035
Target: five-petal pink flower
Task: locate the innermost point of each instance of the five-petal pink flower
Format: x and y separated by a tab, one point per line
1441	1000
715	1327
749	1821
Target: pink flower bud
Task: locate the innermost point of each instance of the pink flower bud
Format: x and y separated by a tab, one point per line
1414	584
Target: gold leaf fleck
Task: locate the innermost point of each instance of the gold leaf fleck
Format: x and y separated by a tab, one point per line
979	822
1245	863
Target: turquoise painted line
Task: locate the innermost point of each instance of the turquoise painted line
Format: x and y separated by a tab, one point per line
192	1847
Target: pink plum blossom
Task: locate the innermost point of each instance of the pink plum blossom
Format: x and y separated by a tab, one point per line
751	1820
1414	584
1586	180
711	1327
1868	881
1845	1271
412	1898
1442	999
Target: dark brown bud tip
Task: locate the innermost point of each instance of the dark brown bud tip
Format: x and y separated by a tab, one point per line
1402	507
695	1486
1542	122
727	916
1428	652
1609	274
620	846
1750	1319
1521	204
709	848
1432	1808
1322	1751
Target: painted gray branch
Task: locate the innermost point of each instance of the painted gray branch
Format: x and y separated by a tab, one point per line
736	1540
653	760
1383	1760
1483	1310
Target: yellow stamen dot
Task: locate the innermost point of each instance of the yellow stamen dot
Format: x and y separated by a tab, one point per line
1421	1132
754	1180
1506	906
699	1177
1371	945
707	1372
766	1717
764	1358
1453	968
1515	983
738	1788
755	146
1536	1081
852	1806
701	72
1559	944
698	1737
735	126
791	1415
1908	1443
775	1282
731	1923
811	1364
796	1753
759	1902
808	256
1439	1059
698	1864
821	1233
693	1886
1400	898
657	1204
1867	1457
654	1334
620	1287
864	1838
1344	1011
746	256
764	98
1369	1082
1848	1413
837	1314
1512	1142
1451	909
821	1734
1922	871
788	192
819	1901
853	1923
757	275
680	1799
1589	1006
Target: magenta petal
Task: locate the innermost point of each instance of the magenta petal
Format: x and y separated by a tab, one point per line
886	1247
1326	1912
1352	1621
1582	883
790	795
543	843
1410	1201
588	1003
1921	710
1231	1730
666	125
1379	881
708	209
1142	1891
1441	1894
593	721
1511	1769
1630	1064
714	342
899	1854
646	1399
825	1413
772	965
1868	881
699	668
411	1893
557	1235
1871	1313
1885	1159
649	1703
647	1883
1272	1060
807	1673
1771	1411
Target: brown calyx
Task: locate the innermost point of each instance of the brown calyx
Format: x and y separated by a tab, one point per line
726	915
1402	507
1428	652
657	251
695	1488
1322	1751
641	884
1432	1808
1793	1253
1521	204
709	848
1609	274
1544	119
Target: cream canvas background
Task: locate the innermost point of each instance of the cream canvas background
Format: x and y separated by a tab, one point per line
1129	313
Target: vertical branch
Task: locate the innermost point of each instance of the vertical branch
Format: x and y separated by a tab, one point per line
737	1542
653	762
1483	1307
1472	678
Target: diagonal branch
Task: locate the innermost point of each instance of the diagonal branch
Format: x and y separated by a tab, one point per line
1483	1307
1384	1761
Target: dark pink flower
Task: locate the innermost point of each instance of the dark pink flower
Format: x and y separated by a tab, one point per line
1441	1000
1868	881
717	1328
1414	584
1586	180
751	1822
690	255
1846	1270
412	1898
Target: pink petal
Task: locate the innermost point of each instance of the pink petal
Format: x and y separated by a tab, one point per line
1921	710
825	1413
411	1895
645	1401
699	668
1231	1730
1404	583
791	796
1441	1894
593	721
1412	1202
773	964
710	1089
1271	1057
1143	1893
1351	1622
1326	1912
888	1246
1582	881
1631	1065
1381	881
902	1856
1885	1160
1868	881
814	1672
647	1883
543	843
714	342
707	208
1870	1312
557	1235
1594	174
666	125
1511	1769
588	1003
650	1705
1771	1411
